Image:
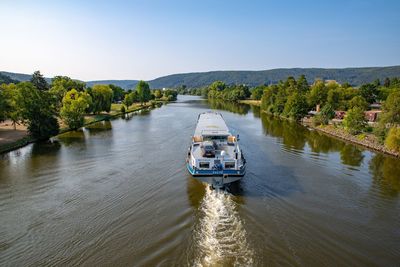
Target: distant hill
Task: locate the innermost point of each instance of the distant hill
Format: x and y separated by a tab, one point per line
125	84
6	79
20	76
354	76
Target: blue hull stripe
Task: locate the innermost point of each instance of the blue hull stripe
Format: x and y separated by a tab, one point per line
215	172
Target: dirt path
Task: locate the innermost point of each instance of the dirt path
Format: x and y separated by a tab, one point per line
9	135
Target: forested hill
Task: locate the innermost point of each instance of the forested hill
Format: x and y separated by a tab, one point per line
354	76
126	84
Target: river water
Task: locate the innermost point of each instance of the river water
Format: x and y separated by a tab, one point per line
117	194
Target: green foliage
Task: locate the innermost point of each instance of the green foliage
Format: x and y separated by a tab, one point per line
218	86
74	108
143	90
296	106
157	94
12	110
327	113
354	121
123	109
102	96
60	85
391	109
393	139
358	101
257	92
219	90
39	81
38	110
3	105
369	91
170	95
318	94
118	93
131	98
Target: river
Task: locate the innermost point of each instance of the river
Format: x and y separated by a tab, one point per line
117	194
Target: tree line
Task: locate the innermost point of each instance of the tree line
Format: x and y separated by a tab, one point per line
41	106
294	98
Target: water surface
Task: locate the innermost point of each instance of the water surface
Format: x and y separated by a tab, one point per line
117	193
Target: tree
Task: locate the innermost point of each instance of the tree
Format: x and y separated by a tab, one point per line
38	110
60	85
302	84
296	106
39	81
217	85
327	113
12	108
118	93
369	91
102	96
257	92
74	107
354	121
333	98
391	109
358	101
131	98
157	94
393	139
143	90
318	94
3	105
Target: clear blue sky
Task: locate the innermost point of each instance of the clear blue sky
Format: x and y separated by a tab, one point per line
146	39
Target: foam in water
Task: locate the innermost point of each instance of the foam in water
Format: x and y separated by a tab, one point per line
220	238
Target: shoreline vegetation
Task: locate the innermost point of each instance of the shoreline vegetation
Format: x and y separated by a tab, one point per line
366	115
37	111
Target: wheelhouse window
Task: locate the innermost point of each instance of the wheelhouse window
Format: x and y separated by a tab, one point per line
204	165
229	165
221	138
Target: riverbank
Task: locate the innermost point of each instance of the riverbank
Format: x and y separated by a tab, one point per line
14	139
365	139
250	102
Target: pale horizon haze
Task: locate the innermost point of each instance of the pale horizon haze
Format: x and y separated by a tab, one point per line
99	40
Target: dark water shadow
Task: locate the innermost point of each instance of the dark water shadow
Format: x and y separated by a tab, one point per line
72	137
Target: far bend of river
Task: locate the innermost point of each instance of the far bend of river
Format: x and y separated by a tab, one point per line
117	194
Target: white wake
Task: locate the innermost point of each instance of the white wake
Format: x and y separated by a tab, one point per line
220	238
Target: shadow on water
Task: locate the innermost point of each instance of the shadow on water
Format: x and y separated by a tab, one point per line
72	137
386	175
47	148
233	107
98	127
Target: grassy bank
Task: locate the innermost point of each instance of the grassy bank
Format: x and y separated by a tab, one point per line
250	102
89	119
365	139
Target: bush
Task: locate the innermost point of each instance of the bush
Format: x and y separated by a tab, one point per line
393	139
123	110
355	122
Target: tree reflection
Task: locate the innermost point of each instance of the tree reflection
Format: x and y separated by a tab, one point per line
237	108
99	127
386	174
351	155
72	137
292	134
320	143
